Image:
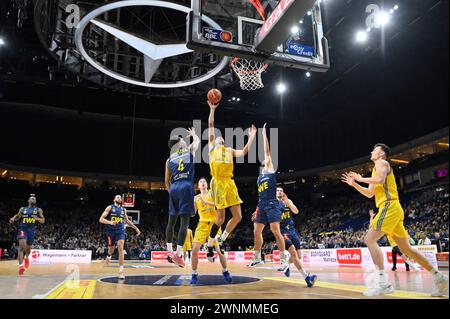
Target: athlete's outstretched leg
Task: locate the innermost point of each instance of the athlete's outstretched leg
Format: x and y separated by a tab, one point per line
440	280
21	253
223	261
258	240
182	232
220	219
120	244
170	230
236	218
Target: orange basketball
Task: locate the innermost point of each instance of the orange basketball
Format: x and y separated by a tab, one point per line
214	96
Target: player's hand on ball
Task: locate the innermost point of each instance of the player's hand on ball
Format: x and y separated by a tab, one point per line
213	106
347	179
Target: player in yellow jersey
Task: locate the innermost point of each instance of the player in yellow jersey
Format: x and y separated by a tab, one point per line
388	221
223	187
187	247
205	207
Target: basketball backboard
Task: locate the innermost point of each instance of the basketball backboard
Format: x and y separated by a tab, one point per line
296	28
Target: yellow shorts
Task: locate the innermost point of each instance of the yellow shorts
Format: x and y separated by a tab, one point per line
389	220
187	248
202	232
391	241
225	193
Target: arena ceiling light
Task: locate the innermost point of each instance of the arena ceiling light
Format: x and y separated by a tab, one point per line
361	36
382	19
281	88
153	53
2	42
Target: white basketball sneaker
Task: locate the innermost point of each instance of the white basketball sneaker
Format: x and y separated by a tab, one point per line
378	285
441	285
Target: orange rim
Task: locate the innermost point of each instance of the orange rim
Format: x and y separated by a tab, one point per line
235	60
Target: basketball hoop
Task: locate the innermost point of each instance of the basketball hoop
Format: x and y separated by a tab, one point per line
249	73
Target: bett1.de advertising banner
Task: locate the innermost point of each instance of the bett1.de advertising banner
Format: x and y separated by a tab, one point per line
60	256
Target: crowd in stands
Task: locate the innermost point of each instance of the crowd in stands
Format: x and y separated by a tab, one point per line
76	226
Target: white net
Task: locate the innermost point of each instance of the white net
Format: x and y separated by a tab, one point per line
249	73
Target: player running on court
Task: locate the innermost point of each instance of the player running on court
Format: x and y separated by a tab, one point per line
205	207
223	187
115	218
27	217
269	209
291	237
179	180
395	250
388	221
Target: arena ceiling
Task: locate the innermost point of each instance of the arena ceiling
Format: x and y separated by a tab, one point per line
393	88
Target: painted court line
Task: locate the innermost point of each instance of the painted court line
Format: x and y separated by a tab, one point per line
359	289
84	289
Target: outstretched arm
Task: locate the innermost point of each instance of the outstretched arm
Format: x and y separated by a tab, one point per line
350	180
268	164
129	223
289	203
196	140
211	133
17	216
246	149
382	170
167	176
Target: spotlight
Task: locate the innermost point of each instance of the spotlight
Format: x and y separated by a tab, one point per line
281	88
2	42
295	29
382	19
308	74
396	7
361	36
301	21
309	13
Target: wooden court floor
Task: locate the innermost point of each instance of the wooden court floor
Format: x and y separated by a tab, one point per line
166	281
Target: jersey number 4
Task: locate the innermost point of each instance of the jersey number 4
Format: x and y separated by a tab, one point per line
181	166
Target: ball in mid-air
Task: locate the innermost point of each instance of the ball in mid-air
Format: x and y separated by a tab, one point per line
214	96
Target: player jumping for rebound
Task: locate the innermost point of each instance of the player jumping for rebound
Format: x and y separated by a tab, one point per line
27	217
223	187
269	209
291	236
179	180
388	221
115	218
205	207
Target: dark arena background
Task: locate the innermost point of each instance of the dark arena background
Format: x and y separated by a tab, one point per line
91	92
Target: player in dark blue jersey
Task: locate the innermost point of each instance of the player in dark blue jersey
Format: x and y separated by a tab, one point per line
179	180
268	210
291	236
27	217
115	218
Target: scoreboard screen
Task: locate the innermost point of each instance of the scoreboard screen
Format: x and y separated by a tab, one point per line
128	200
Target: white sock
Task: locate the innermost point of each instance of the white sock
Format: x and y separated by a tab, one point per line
303	272
169	247
179	251
258	254
108	257
224	270
225	235
283	256
194	272
120	268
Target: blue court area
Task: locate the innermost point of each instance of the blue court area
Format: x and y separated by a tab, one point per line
178	280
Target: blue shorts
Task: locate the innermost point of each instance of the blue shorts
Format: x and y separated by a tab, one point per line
269	212
27	234
114	235
291	237
181	199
